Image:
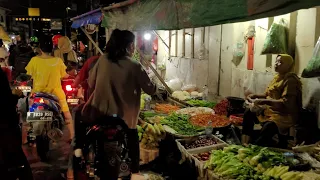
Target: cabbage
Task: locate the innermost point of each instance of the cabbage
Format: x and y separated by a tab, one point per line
194	93
186	93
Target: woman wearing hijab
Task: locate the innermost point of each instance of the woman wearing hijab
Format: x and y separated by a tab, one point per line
65	51
279	105
4	55
13	162
117	81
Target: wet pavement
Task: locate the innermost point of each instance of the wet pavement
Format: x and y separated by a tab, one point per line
56	167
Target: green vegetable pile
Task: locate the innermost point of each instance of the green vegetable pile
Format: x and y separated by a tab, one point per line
201	103
226	164
181	124
312	69
252	162
276	40
147	114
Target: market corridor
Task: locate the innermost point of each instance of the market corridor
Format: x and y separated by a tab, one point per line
56	168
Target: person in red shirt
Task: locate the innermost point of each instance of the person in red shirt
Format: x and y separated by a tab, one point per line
83	75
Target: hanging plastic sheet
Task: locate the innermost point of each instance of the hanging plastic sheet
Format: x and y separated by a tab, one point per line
94	18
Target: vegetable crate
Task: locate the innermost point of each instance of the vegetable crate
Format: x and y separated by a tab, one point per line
200	164
188	153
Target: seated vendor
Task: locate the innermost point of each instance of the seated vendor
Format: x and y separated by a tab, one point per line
278	108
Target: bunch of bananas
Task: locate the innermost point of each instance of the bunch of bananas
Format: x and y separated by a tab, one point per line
150	135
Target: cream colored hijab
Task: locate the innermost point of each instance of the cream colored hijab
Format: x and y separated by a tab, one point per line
65	46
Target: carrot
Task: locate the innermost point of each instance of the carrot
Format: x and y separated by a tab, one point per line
166	108
203	120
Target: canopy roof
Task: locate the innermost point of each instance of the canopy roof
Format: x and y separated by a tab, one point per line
92	17
179	14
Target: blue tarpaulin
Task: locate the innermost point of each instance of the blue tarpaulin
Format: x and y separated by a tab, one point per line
94	18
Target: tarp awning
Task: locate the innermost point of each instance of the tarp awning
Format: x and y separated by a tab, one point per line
179	14
93	18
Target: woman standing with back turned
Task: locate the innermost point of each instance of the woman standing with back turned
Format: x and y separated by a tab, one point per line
117	81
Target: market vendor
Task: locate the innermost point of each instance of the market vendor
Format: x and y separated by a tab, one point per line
278	108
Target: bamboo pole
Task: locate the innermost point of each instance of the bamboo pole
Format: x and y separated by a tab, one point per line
183	43
176	45
192	43
170	33
155	32
92	41
154	71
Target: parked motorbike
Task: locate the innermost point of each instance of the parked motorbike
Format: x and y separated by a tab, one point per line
93	142
45	118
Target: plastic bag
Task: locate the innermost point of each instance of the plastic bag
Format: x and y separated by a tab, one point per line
251	32
313	67
175	84
239	51
189	88
276	41
248	82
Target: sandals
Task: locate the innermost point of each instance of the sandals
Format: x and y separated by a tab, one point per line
70	175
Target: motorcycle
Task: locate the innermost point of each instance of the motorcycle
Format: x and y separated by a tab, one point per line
71	92
23	83
45	118
93	142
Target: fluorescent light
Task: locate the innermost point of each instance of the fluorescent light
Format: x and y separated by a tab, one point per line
147	36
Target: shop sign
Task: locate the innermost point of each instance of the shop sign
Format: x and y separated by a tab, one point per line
33	12
56	24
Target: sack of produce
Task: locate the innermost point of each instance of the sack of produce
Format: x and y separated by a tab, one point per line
313	67
276	41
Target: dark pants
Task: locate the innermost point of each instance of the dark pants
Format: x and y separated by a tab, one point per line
13	162
268	131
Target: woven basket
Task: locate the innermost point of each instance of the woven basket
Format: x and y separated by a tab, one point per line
147	155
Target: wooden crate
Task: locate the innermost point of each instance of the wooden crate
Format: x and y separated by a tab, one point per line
187	154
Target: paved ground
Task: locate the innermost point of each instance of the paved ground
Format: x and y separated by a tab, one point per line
56	167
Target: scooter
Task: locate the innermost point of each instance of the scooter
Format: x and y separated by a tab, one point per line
45	118
23	83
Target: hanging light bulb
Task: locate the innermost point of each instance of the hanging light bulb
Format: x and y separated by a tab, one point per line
147	36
